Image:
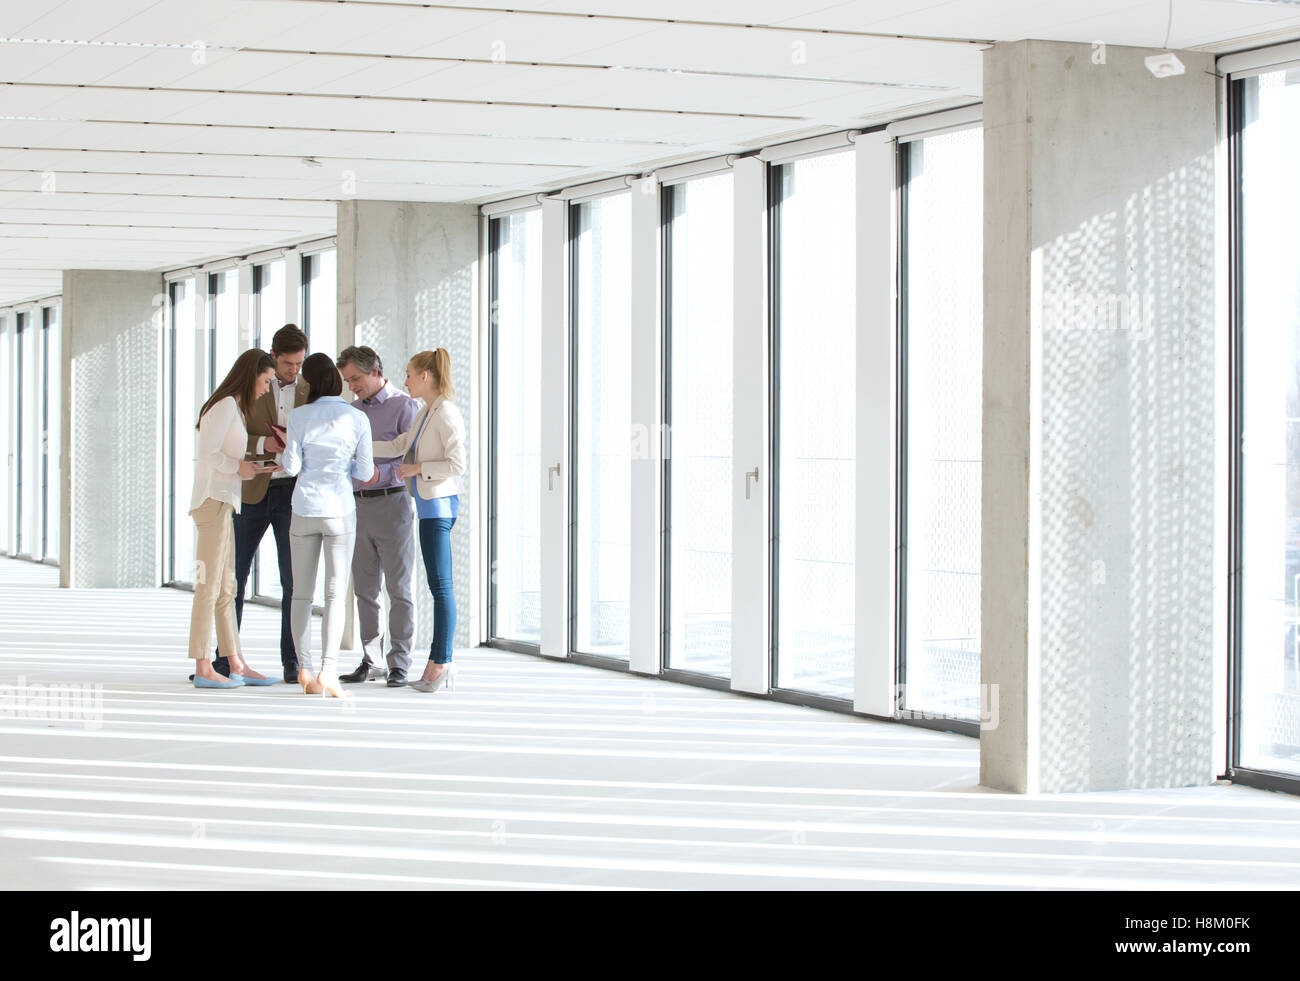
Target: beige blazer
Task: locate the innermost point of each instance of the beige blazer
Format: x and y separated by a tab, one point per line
440	453
264	413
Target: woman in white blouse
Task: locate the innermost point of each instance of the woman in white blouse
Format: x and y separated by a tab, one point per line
219	466
434	456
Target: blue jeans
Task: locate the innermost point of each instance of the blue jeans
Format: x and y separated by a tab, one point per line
274	510
435	549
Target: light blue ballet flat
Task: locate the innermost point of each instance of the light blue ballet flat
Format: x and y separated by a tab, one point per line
255	682
234	682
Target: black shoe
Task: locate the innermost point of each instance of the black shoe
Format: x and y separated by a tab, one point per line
221	665
396	678
291	675
364	672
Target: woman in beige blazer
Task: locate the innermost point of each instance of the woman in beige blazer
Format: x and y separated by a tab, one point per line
434	456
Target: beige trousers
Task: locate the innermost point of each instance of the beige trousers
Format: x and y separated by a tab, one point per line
214	581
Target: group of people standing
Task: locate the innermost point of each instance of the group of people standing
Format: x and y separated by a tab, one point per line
279	447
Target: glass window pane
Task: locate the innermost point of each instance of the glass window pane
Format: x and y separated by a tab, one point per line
516	387
186	415
602	430
268	301
320	301
944	336
223	321
815	425
53	403
1270	425
10	396
29	338
700	485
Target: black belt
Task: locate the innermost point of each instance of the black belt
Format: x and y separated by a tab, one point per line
381	493
283	481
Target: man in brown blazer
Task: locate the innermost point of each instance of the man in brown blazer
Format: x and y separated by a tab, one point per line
267	498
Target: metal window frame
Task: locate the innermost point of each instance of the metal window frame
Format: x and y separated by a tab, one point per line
20	317
494	231
169	437
45	433
573	231
1236	118
906	147
776	196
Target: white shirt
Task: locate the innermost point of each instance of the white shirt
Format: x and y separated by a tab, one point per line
218	451
286	396
329	442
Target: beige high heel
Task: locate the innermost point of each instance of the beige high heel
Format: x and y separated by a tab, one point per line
331	687
310	685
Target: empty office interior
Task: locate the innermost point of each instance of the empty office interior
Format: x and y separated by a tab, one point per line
876	403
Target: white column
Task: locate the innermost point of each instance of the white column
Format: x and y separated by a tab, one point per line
554	410
751	653
877	427
647	413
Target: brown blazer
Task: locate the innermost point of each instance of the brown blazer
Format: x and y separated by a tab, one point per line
259	424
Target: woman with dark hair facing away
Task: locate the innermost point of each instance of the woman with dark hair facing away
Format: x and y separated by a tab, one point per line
327	444
219	467
434	456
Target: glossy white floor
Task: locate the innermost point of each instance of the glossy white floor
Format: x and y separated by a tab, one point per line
532	774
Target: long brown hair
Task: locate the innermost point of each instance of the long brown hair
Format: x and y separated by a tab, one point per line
240	381
438	365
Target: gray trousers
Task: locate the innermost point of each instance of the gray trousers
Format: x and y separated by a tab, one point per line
308	537
385	556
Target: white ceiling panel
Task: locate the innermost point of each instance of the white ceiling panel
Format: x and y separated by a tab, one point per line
166	152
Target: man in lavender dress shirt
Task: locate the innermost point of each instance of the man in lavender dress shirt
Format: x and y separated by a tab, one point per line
385	549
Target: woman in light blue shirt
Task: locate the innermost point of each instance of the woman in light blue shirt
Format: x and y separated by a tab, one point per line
327	443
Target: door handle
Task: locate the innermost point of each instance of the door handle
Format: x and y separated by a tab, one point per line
750	475
551	474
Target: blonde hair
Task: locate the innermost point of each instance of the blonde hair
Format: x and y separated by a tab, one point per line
438	364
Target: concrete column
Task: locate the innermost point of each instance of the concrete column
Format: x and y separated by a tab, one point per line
111	532
1099	489
408	282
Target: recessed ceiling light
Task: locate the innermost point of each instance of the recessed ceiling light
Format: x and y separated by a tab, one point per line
1164	65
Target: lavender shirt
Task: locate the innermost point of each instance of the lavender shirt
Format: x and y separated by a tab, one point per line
391	413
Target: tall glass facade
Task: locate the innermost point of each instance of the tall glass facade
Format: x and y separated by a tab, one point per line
815	400
943	247
516	349
600	255
1268	400
700	297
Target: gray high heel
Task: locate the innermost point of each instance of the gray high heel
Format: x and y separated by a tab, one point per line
446	680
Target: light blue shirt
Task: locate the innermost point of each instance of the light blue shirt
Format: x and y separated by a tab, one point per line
328	443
